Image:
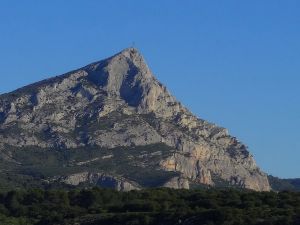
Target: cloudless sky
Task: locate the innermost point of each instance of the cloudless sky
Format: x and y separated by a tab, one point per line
235	63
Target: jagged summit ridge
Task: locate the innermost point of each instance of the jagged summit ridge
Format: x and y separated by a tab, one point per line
117	102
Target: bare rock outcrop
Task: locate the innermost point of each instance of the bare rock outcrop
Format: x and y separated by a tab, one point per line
117	102
177	183
100	179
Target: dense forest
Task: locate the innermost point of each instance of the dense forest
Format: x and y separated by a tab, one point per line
152	206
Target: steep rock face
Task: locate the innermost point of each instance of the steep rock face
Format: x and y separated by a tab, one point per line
177	183
118	102
100	179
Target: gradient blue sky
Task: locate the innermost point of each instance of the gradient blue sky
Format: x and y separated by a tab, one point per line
233	62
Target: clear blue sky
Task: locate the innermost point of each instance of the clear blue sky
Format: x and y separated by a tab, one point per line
233	62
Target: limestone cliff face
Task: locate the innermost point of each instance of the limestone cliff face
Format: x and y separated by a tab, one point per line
117	102
100	179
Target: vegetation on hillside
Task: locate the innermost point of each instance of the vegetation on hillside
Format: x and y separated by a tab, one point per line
278	184
149	207
34	167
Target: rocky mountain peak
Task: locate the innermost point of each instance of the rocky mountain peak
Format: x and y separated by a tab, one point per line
127	65
133	55
134	125
126	76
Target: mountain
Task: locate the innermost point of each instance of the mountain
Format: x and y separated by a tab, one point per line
113	124
278	184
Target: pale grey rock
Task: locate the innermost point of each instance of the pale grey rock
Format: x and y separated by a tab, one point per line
118	102
127	133
100	179
177	183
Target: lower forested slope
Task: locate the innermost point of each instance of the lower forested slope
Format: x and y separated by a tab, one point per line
151	206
